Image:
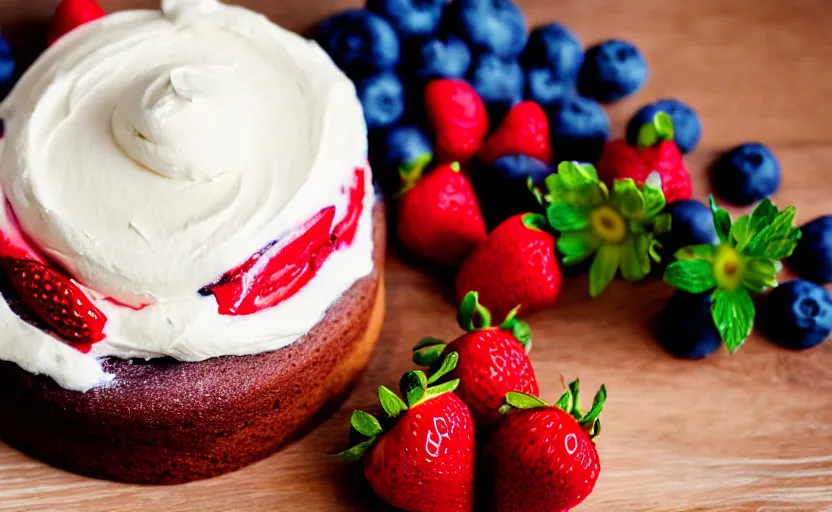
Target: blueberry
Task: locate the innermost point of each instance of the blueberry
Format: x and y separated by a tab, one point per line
686	326
797	315
439	57
410	17
382	97
503	190
579	128
490	26
746	174
360	42
556	48
812	259
692	223
499	82
544	88
7	63
397	147
612	70
686	125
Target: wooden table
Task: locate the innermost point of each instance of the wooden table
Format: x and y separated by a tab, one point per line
749	432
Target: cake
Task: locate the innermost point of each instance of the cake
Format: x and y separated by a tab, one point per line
192	243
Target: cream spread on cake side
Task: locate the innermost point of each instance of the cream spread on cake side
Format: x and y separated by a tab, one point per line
150	152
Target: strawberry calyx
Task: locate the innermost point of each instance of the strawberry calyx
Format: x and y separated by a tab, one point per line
416	388
472	316
589	421
411	172
659	129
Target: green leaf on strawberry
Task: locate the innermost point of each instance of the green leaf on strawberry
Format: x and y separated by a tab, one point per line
659	129
618	227
568	402
746	261
416	387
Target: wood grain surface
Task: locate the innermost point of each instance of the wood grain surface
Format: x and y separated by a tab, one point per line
752	432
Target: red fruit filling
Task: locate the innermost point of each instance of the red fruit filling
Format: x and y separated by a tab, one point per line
344	231
58	301
282	268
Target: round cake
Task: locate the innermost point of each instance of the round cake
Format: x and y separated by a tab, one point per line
192	244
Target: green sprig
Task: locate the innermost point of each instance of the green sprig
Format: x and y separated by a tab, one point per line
746	261
617	227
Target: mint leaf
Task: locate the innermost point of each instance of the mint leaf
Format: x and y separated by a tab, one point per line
365	424
635	260
654	201
393	405
778	239
524	401
733	314
722	221
576	246
603	269
759	274
692	276
741	232
627	199
448	365
574	175
696	252
564	216
762	215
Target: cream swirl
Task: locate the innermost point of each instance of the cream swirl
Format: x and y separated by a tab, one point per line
160	150
149	152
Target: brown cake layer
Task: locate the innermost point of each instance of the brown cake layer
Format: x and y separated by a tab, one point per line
166	422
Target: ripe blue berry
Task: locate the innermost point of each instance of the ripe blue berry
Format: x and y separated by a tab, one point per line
812	259
612	70
686	327
797	315
746	174
687	127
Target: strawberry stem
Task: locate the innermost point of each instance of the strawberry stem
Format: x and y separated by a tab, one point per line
659	129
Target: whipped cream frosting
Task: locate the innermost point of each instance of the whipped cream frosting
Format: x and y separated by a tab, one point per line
149	152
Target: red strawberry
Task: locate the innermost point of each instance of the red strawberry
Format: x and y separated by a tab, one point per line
439	218
655	151
542	457
56	300
493	360
515	265
425	461
524	131
458	118
71	14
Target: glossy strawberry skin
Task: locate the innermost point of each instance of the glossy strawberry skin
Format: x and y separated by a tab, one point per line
515	265
458	118
425	463
440	219
71	14
57	301
524	131
541	461
491	363
620	160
